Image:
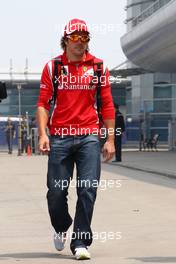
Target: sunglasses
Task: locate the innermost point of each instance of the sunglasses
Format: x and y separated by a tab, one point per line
75	38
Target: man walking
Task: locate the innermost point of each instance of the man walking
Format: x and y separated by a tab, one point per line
72	80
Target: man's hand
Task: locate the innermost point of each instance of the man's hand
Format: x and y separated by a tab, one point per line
44	145
42	120
108	150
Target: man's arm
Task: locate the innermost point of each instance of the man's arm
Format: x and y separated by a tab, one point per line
108	114
42	120
109	148
42	116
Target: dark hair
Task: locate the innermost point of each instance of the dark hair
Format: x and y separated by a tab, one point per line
63	45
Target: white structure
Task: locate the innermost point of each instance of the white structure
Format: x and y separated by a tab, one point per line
150	44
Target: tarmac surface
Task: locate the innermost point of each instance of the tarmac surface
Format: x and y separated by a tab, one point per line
162	162
134	216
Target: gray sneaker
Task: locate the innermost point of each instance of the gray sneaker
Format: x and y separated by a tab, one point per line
59	240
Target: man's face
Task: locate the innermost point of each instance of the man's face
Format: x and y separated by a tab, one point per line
77	43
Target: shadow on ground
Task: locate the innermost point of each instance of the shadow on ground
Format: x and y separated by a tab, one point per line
156	259
35	255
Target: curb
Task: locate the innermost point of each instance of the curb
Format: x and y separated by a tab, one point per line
166	174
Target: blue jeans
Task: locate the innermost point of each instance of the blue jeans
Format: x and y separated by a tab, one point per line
84	151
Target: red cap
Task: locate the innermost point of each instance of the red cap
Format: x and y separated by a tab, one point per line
75	25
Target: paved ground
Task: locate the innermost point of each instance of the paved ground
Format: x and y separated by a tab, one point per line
141	211
161	162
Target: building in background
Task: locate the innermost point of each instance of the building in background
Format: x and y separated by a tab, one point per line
119	95
22	94
150	44
29	93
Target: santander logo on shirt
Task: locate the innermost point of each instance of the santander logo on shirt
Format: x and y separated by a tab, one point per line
86	81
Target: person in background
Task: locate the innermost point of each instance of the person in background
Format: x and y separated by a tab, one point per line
33	132
23	135
119	129
10	134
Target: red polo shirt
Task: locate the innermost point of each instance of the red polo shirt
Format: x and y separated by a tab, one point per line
75	108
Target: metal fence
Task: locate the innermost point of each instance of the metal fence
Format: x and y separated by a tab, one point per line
150	117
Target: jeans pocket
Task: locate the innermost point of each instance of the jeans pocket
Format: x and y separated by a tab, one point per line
93	137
